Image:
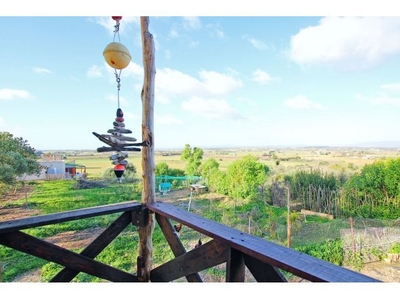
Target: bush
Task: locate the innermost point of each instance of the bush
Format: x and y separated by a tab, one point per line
330	250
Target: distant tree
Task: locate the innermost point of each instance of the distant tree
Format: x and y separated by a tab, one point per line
244	176
193	157
208	168
375	190
217	182
162	168
17	158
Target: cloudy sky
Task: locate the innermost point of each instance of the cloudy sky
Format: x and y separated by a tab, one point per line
222	79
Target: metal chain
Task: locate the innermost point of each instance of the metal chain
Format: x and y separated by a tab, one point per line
118	79
117	76
116	30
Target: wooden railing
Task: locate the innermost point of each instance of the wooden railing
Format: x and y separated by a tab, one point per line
266	261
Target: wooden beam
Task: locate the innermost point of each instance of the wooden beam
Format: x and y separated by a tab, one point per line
51	252
31	222
263	272
206	256
145	252
290	260
175	243
235	266
98	245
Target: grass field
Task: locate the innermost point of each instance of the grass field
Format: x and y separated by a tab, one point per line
279	160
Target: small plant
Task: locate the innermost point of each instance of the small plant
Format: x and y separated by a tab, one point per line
395	249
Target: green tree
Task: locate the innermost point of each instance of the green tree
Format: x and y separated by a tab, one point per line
244	176
392	178
193	157
208	168
17	158
162	168
374	191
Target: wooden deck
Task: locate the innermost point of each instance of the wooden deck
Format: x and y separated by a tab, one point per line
265	260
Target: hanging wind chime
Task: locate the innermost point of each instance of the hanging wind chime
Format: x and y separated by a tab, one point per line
118	57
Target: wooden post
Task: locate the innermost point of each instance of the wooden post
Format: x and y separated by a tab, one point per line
145	254
289	219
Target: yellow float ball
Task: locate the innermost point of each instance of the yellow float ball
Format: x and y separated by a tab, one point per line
117	55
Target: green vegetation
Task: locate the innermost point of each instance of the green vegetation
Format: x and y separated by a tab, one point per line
248	191
395	249
193	157
375	191
17	158
64	195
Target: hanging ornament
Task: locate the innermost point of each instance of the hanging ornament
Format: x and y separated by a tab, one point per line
118	57
119	170
116	54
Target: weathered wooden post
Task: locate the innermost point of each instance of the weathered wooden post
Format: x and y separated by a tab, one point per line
145	253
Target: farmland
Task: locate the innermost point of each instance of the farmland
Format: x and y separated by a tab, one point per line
279	160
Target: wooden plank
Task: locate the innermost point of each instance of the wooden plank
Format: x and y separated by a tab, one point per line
51	252
55	218
262	271
145	260
290	260
98	245
235	266
206	256
314	213
175	243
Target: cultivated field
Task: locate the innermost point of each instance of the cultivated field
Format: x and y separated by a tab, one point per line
280	160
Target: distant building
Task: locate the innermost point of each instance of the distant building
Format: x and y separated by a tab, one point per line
56	170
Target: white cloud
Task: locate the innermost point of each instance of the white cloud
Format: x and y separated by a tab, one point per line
263	77
258	44
174	82
9	94
94	71
131	116
393	87
301	102
218	83
173	33
215	31
192	23
132	70
382	99
41	70
348	43
171	83
168	120
210	108
387	95
193	44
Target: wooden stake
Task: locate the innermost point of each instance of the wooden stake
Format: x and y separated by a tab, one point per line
289	219
145	255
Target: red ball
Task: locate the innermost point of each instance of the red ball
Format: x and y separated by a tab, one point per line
116	18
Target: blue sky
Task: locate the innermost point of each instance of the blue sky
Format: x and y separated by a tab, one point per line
222	80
